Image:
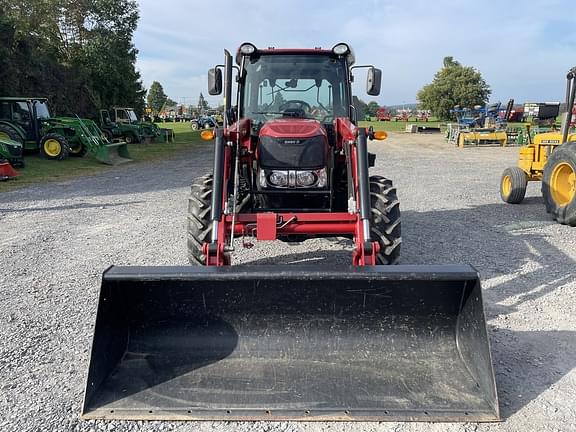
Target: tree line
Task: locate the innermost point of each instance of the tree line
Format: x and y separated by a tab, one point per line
78	53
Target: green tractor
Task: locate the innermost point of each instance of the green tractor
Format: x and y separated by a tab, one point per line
11	151
28	121
123	123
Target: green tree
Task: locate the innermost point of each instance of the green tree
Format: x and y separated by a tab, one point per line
360	106
77	53
156	97
372	108
453	85
202	104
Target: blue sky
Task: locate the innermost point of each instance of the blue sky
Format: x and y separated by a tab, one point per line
522	48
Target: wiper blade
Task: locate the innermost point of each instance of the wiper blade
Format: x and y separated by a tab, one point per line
283	113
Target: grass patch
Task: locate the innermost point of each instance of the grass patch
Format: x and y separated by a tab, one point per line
39	170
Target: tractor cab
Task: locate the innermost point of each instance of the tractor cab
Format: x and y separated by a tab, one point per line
124	115
24	116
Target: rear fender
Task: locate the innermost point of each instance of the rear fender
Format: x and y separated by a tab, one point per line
16	127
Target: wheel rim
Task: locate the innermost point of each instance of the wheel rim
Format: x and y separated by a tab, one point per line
506	185
52	147
563	184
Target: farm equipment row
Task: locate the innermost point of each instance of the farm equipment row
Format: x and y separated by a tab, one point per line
27	121
123	124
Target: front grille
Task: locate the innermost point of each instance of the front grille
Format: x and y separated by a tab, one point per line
292	153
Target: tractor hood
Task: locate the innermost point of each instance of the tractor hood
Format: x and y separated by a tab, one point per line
292	144
296	128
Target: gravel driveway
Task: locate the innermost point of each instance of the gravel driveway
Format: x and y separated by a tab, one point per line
57	238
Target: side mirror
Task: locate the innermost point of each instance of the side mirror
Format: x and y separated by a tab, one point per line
214	81
373	81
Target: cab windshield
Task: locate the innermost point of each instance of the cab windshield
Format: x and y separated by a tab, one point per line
309	86
42	112
132	116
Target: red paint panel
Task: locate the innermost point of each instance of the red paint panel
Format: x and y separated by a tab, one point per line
292	128
266	226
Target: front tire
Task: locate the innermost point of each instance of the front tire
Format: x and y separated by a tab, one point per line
385	221
559	184
199	224
513	185
54	146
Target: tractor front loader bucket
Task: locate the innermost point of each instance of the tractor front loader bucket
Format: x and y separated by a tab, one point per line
395	343
113	153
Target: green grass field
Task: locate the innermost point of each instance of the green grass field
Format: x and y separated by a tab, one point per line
39	170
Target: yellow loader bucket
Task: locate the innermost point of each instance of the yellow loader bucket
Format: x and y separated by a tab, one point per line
399	343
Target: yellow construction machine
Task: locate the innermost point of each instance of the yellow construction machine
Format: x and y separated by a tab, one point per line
549	158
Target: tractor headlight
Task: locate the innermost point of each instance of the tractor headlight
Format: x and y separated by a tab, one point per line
340	49
305	178
322	178
293	178
247	48
278	178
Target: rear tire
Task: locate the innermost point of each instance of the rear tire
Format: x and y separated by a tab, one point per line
54	146
10	133
194	125
559	184
199	224
513	185
385	226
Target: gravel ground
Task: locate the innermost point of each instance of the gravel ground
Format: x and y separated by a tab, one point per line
56	239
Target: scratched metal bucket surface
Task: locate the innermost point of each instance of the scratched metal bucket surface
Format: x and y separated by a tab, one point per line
291	343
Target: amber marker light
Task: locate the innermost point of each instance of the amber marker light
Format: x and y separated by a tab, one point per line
380	135
207	135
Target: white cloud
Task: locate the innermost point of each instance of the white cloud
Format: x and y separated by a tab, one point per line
521	52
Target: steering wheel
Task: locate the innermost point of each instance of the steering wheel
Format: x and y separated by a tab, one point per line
295	106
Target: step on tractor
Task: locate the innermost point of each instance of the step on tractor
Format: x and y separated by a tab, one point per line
549	158
28	122
123	124
368	341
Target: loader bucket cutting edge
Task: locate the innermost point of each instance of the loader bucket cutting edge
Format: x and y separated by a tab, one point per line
113	154
378	343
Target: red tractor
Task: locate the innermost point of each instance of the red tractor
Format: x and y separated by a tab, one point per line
297	165
423	115
402	115
383	114
291	342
